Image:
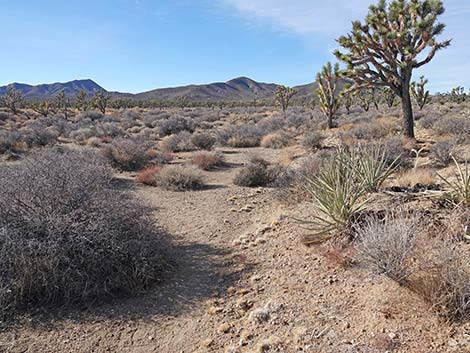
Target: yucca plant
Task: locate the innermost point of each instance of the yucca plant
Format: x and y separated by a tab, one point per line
460	188
338	197
371	166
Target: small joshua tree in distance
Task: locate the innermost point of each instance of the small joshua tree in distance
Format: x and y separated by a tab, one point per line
12	99
100	101
396	38
327	90
389	96
419	92
283	97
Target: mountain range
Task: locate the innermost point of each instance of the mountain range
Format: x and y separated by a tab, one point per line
238	89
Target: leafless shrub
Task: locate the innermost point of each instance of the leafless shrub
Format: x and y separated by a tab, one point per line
127	154
442	152
203	141
174	125
37	135
181	142
240	136
312	140
387	245
450	280
257	172
208	160
67	236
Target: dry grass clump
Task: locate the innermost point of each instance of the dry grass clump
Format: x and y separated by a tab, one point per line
275	140
415	178
179	178
387	244
257	172
127	154
67	236
208	160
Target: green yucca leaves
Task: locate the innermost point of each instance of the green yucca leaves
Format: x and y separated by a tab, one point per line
339	191
460	188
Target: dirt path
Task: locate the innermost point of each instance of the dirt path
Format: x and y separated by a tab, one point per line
245	284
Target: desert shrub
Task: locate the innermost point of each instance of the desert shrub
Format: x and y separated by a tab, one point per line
275	140
160	157
67	236
39	136
387	245
203	141
257	172
92	115
312	140
240	136
371	131
208	161
174	125
108	129
11	141
429	121
450	281
4	116
127	154
81	135
297	120
150	120
148	176
179	178
442	152
181	142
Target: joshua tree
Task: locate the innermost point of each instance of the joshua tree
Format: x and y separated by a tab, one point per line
12	99
81	101
100	101
42	108
395	39
327	81
366	97
388	95
63	102
457	95
347	98
283	97
419	92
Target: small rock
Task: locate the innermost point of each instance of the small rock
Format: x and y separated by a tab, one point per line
207	342
223	328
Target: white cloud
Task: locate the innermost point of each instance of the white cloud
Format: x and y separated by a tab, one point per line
325	20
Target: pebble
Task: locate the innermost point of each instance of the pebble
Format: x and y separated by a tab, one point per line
223	328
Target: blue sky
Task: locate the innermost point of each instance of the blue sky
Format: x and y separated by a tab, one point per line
138	45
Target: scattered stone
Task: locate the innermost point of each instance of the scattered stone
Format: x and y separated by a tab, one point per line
207	342
231	349
214	310
245	337
223	328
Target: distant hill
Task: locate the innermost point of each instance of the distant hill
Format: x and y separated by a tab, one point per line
46	91
238	89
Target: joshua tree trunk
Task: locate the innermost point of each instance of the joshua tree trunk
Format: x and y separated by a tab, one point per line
330	121
408	121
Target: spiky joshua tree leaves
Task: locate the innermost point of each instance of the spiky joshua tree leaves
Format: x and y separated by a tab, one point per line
396	38
328	92
283	97
419	92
